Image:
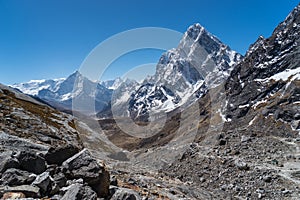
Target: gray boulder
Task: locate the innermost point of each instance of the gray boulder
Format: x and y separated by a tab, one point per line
44	182
14	177
124	194
57	155
60	179
79	192
31	162
82	165
7	161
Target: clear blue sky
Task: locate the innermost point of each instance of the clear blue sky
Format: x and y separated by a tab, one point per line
51	38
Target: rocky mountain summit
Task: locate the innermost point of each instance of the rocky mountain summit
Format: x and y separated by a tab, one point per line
201	61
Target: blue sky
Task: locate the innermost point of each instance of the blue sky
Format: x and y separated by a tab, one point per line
51	38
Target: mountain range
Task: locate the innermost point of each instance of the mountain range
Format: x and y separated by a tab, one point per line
201	61
60	92
231	129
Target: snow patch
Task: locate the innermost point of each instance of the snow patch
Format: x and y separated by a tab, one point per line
66	97
224	119
244	106
294	74
258	103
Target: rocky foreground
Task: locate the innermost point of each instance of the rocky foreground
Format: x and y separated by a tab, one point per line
42	156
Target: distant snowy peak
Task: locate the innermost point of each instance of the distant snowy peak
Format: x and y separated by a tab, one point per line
108	83
61	92
200	56
116	83
34	86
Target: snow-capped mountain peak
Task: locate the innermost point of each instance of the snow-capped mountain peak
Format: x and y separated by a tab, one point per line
34	86
61	92
199	62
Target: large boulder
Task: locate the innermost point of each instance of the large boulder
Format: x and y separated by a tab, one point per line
57	155
79	192
7	161
83	165
45	182
14	177
124	194
31	162
60	179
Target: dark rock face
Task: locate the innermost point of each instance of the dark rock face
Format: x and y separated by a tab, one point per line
31	162
82	165
265	73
